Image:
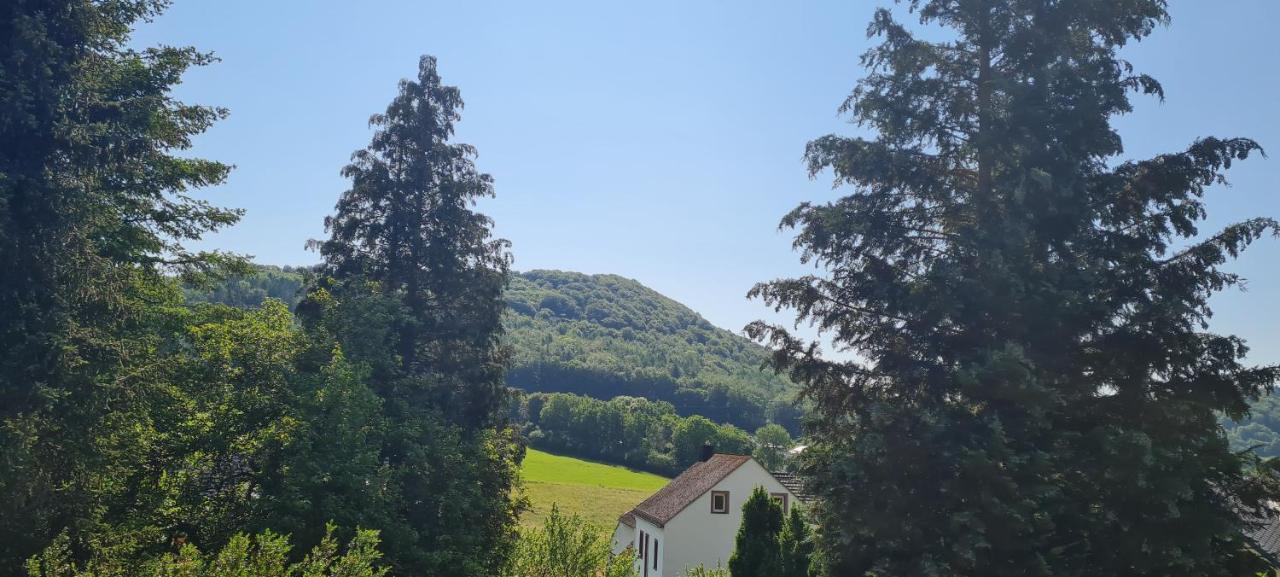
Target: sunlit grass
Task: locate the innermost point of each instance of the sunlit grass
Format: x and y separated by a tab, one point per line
597	492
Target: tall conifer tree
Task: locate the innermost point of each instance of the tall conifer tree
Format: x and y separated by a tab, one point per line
1035	390
94	208
407	223
412	264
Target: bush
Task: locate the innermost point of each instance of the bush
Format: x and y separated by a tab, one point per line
264	555
568	547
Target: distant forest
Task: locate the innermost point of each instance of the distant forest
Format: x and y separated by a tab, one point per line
602	336
605	336
637	432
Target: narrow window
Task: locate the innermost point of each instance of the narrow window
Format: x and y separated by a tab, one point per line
719	501
781	498
644	556
655	554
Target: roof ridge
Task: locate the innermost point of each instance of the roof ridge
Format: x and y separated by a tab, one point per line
687	487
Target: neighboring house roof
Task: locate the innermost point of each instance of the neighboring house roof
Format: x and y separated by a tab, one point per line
794	484
683	490
1268	537
1266	534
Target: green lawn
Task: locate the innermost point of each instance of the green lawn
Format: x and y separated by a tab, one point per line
595	491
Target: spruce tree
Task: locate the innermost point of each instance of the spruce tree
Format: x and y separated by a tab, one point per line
407	223
1033	389
418	280
755	548
94	208
795	548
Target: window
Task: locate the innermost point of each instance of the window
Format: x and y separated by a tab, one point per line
719	501
644	552
781	498
655	554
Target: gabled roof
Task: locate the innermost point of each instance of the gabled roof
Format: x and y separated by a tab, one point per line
683	490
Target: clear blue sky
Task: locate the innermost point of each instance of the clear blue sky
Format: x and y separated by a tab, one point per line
658	140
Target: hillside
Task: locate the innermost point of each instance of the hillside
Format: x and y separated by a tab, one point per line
603	336
597	492
1260	431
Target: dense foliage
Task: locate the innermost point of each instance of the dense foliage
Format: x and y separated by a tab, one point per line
265	555
795	547
132	420
603	336
636	432
411	290
1034	391
252	289
95	204
755	548
1259	430
568	546
606	336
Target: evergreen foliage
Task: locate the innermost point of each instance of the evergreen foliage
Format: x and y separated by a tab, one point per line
1034	392
411	292
95	205
755	548
795	548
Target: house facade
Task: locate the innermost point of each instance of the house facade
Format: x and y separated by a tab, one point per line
694	519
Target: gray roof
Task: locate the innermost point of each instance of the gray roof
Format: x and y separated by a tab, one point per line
1266	533
794	484
683	490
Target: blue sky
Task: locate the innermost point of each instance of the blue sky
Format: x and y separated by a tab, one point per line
658	140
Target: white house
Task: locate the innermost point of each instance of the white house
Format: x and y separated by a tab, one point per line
693	519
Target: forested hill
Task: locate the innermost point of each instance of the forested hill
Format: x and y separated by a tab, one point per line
604	336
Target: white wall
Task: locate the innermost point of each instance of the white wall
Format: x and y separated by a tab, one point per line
698	537
622	537
654	532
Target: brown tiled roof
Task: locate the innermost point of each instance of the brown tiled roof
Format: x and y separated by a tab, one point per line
628	519
794	484
685	489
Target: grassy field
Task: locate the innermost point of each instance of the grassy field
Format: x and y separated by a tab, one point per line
595	491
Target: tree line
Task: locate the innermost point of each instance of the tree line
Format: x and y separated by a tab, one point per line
638	432
1032	388
602	336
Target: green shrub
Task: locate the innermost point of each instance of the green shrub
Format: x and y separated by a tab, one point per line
568	547
701	571
263	555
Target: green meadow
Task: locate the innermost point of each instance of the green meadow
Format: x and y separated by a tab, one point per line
597	492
